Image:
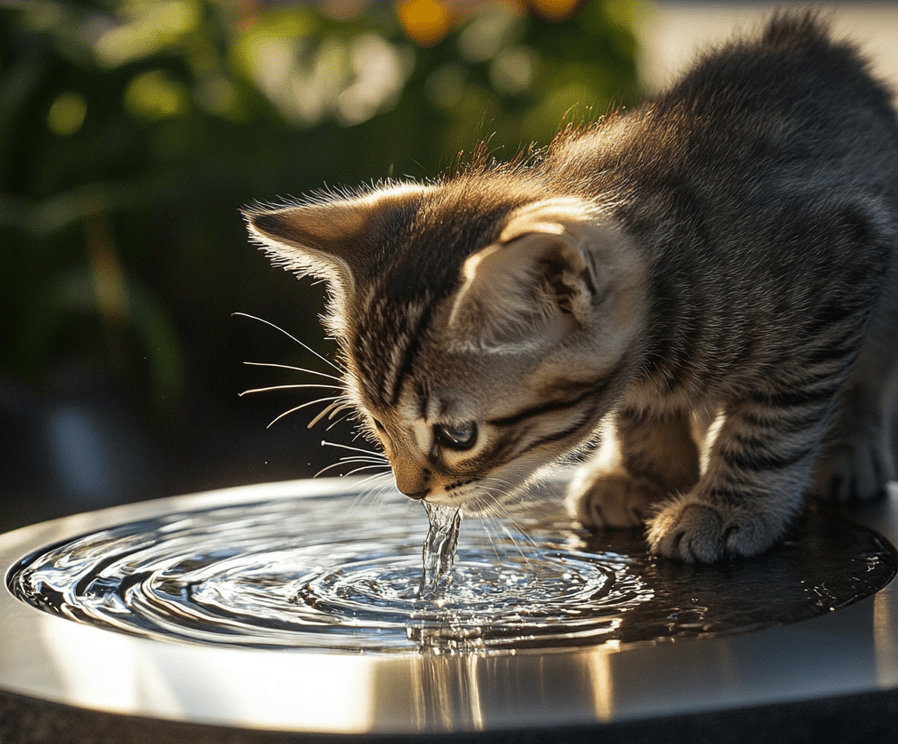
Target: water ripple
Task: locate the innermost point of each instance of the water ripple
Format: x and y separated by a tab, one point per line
298	574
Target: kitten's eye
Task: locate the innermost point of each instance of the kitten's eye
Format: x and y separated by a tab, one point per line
456	436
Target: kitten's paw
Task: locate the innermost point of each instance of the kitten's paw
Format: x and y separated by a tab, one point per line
854	471
612	499
697	532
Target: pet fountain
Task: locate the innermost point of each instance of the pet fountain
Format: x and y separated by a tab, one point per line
298	609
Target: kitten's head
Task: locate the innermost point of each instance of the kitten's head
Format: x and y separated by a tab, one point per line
485	325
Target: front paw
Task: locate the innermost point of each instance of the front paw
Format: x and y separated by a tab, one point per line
698	532
612	499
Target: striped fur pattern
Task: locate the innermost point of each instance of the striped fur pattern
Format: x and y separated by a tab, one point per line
707	281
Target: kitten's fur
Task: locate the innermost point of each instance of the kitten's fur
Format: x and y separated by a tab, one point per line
709	279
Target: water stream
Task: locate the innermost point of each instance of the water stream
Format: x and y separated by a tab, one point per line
298	574
438	554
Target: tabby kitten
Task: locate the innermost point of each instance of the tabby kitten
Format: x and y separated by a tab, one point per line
708	280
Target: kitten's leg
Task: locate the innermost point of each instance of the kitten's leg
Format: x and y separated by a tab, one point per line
638	464
758	468
857	461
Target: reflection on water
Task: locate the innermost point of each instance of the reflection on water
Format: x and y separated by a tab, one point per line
297	574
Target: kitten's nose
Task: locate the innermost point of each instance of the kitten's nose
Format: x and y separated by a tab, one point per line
417	495
411	480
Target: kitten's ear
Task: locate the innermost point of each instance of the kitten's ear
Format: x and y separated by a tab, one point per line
535	285
334	240
540	281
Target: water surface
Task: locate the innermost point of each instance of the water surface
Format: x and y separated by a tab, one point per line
333	573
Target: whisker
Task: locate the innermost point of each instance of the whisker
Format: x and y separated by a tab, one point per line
297	408
489	521
374	487
339	420
518	537
347	447
338	404
305	346
379	461
291	387
329	467
497	517
366	467
387	481
348	407
296	369
515	532
351	462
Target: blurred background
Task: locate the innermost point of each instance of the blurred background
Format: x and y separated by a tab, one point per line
131	132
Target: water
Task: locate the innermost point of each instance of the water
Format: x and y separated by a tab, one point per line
438	554
299	574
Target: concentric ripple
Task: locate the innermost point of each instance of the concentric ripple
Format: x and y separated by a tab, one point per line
330	573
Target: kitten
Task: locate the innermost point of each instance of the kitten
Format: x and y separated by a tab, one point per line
709	280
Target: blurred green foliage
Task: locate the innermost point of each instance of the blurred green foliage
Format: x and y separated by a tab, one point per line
131	132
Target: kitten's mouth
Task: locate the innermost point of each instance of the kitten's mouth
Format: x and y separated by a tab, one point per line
473	503
443	499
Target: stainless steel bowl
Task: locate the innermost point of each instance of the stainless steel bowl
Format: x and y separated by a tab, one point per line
55	660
